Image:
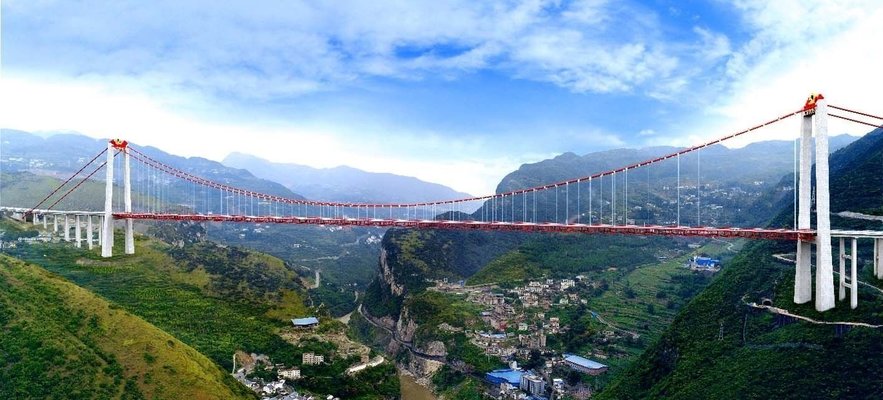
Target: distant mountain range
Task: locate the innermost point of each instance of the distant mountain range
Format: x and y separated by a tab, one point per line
62	154
343	183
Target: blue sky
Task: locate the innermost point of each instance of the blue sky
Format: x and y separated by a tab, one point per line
456	92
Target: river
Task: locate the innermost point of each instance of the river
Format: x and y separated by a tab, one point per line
411	390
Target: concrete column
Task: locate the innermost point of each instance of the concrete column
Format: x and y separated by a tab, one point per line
824	267
878	257
55	222
127	200
89	232
803	270
100	231
44	221
853	276
67	228
842	292
107	244
78	234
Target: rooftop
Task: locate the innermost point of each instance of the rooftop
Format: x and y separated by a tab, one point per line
305	321
583	362
511	376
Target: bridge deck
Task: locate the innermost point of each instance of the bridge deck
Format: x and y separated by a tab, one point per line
654	230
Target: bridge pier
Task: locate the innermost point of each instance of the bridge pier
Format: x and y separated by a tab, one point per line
44	222
852	282
67	228
55	222
878	258
89	230
100	232
78	234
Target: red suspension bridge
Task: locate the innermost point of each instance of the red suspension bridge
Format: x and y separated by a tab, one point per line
154	190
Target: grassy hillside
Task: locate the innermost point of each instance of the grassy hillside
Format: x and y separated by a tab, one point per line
195	300
61	341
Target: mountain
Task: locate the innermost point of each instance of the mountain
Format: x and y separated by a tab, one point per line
729	178
221	300
63	154
32	166
635	285
718	347
62	341
344	183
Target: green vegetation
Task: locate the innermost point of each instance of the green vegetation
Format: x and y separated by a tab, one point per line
152	285
717	347
61	341
558	256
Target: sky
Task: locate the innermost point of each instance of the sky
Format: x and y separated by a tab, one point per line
455	92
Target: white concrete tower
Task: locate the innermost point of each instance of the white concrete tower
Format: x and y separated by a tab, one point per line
803	272
127	200
824	262
67	228
107	228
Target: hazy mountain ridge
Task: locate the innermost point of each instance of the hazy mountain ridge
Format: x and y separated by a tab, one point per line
344	183
63	154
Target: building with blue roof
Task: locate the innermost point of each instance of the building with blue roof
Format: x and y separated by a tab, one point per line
510	376
584	365
307	322
706	263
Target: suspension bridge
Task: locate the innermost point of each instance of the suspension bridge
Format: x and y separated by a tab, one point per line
152	190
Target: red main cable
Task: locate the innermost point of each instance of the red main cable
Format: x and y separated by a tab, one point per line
66	182
184	175
854	112
81	182
856	121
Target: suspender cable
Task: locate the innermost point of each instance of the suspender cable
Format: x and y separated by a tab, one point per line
613	199
698	186
679	190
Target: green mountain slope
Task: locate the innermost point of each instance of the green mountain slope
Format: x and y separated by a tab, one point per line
720	348
218	306
61	341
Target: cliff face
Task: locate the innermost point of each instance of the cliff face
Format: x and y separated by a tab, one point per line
386	276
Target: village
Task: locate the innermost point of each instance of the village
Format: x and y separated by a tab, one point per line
522	320
276	381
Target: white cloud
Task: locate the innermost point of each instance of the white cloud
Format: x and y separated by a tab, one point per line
796	48
101	109
270	49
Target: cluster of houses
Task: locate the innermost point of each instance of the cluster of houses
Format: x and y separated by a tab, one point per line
515	383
